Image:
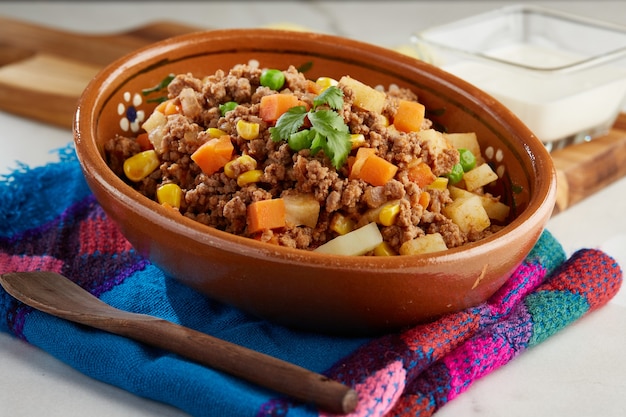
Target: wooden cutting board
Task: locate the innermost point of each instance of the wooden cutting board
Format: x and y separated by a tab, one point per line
44	70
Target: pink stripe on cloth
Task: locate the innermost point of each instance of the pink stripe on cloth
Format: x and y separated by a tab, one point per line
489	352
379	392
526	278
19	263
91	232
440	337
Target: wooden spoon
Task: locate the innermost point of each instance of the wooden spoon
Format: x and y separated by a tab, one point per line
57	295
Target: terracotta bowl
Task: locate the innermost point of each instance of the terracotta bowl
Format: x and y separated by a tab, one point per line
295	287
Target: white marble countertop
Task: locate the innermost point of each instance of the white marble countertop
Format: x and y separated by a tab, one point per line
579	372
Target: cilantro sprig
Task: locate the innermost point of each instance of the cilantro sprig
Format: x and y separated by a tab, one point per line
161	87
328	131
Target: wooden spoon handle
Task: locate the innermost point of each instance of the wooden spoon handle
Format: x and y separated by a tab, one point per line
57	295
248	364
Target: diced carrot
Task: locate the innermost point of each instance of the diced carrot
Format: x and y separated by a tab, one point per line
424	199
357	163
313	87
266	214
214	154
409	116
377	171
274	105
421	174
350	163
168	107
144	141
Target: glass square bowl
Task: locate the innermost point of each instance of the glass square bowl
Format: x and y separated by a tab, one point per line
564	76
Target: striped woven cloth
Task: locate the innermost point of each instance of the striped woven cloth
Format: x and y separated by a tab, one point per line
49	220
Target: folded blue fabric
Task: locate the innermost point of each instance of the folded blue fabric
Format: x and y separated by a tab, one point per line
49	220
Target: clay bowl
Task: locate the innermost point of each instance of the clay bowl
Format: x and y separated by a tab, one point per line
319	292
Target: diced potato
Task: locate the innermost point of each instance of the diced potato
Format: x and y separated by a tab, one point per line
154	126
456	192
357	242
468	213
479	176
301	209
467	141
156	119
365	97
342	224
438	142
424	244
495	209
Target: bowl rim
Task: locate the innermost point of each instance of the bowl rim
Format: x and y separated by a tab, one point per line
540	204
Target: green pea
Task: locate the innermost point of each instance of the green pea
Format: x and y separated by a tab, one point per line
456	174
272	78
467	159
226	107
301	140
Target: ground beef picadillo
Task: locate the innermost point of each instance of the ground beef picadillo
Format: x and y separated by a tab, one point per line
216	200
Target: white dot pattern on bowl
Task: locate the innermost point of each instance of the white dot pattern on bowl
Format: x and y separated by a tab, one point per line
131	117
497	156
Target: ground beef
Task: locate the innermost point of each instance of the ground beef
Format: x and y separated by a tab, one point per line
219	200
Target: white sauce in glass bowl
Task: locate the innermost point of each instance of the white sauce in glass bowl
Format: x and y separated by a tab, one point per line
554	106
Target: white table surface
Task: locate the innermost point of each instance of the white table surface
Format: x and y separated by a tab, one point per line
579	372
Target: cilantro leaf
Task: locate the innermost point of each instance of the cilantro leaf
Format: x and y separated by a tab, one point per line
288	123
332	96
339	149
160	86
336	148
328	131
327	122
336	135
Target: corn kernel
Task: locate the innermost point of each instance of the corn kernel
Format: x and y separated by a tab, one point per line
325	82
245	160
388	214
341	224
169	195
357	140
215	132
249	177
441	183
384	249
140	165
247	130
